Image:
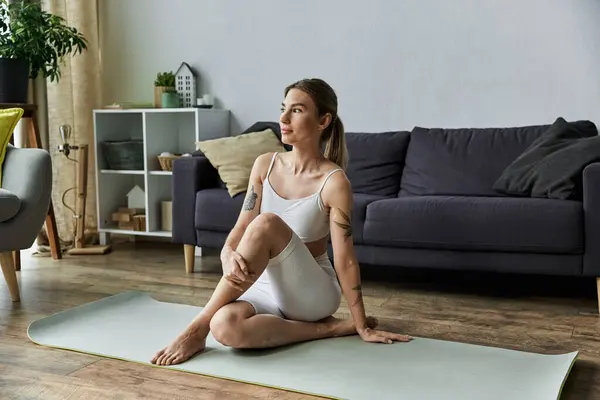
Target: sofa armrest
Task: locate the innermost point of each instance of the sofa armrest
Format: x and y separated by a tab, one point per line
591	212
190	174
27	173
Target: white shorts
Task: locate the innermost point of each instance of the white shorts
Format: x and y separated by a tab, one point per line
295	285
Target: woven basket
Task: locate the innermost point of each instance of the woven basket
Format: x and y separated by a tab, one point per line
166	162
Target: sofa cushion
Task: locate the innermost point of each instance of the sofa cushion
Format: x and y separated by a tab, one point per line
234	156
376	161
9	205
462	161
216	210
476	223
552	166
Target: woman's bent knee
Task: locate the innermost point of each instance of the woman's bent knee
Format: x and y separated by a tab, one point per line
225	327
271	228
266	222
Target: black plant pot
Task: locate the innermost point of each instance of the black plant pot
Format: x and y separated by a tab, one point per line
14	80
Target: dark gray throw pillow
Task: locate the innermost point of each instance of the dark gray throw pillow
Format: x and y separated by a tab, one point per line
551	167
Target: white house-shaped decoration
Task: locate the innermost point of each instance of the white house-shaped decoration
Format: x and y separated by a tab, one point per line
185	81
136	198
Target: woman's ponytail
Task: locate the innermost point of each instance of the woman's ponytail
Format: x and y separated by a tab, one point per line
335	146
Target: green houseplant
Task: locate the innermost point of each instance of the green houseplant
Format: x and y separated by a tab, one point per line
33	43
164	83
170	98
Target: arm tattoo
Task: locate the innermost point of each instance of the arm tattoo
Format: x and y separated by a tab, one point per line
357	288
250	201
346	225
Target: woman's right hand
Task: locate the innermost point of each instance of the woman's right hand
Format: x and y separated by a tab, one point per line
235	269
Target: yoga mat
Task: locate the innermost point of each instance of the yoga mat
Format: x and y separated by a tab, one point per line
133	326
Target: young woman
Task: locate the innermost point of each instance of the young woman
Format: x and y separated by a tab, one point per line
279	286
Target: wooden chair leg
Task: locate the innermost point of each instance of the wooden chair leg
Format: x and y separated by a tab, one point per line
10	274
188	251
52	231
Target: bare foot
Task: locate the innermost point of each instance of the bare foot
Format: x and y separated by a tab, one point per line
346	327
186	345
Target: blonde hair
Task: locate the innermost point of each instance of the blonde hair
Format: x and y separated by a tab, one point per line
325	100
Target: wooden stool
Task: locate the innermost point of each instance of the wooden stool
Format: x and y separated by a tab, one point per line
33	141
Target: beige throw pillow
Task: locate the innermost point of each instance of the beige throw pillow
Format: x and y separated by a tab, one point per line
234	156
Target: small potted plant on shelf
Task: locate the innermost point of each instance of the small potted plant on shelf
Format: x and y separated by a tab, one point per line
33	42
164	82
170	98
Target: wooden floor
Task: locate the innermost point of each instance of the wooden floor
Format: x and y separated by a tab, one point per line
548	315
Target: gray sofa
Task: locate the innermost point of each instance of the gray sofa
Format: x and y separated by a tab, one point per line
427	198
24	201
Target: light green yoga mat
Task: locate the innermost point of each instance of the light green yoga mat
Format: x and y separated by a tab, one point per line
133	326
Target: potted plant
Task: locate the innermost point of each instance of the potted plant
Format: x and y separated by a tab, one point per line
33	42
170	98
164	82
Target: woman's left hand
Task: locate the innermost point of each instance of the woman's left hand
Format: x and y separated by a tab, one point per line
375	336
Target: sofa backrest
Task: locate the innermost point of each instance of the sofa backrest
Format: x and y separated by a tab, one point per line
462	161
375	161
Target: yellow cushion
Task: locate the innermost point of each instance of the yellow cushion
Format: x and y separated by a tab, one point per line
234	156
8	121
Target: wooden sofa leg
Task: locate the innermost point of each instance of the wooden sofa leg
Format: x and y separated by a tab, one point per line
17	259
10	274
188	251
598	289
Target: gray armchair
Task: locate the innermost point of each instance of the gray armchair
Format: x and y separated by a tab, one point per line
24	202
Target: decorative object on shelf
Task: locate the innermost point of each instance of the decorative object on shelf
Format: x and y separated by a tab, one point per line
139	222
32	42
130	218
186	85
166	160
79	247
166	216
209	100
164	81
128	105
204	102
136	198
170	98
124	154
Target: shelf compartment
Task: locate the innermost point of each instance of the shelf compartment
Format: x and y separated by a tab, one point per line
160	189
116	127
168	132
112	195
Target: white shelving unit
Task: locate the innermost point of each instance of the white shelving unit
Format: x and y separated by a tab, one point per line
174	130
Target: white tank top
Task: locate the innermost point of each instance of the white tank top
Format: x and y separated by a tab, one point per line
307	216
